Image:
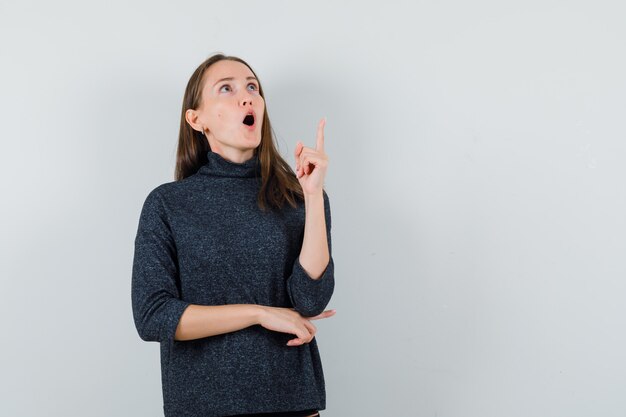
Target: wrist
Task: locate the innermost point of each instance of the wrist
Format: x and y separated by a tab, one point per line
258	312
314	195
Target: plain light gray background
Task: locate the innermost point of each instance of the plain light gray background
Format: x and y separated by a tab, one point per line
476	181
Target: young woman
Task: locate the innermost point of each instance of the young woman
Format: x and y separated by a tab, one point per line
233	258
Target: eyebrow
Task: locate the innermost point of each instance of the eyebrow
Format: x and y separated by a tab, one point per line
232	78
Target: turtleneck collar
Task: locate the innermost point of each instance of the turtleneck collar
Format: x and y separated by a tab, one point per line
217	166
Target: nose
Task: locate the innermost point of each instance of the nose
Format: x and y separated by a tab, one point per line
246	100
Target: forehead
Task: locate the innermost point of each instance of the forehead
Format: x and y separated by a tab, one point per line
227	68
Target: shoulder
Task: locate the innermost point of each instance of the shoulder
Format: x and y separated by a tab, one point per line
153	206
172	190
158	197
157	193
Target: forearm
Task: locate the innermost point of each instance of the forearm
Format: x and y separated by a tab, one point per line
198	321
314	255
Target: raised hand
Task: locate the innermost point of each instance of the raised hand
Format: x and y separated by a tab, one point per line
312	164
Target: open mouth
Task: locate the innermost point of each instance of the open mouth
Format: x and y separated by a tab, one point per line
248	120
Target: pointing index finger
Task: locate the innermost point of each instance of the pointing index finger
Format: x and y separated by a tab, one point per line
320	135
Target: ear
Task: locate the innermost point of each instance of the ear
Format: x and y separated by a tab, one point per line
191	116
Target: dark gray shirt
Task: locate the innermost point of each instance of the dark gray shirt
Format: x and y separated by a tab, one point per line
204	240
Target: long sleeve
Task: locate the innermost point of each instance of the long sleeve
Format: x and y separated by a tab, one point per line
311	296
156	302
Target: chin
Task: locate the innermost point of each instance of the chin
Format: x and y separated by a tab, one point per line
257	141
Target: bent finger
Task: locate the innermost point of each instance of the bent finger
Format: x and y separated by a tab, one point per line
303	335
299	147
311	327
313	333
295	342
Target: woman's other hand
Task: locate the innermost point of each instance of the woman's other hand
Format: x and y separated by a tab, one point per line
288	320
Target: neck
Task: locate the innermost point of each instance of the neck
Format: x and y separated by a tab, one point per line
218	166
233	154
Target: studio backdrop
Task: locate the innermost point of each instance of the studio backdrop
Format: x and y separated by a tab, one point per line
476	181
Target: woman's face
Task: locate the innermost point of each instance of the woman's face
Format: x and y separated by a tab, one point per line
230	92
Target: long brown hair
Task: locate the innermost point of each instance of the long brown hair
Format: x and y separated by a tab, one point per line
278	181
